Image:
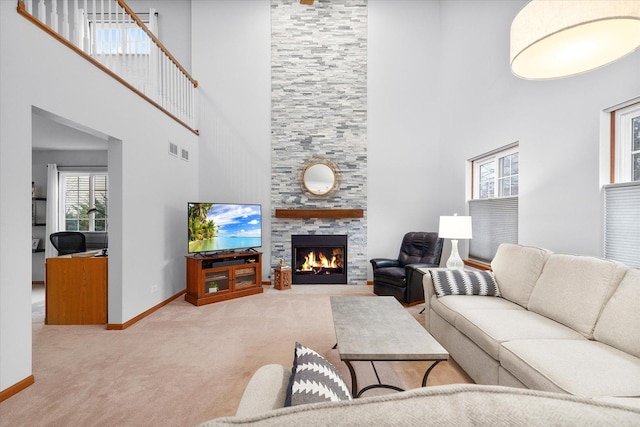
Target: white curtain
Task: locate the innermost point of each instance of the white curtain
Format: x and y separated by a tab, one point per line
52	209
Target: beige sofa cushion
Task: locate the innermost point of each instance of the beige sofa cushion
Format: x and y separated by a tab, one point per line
573	289
579	367
619	323
448	306
516	269
454	405
489	328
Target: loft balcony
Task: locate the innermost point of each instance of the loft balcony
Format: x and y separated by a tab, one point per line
122	44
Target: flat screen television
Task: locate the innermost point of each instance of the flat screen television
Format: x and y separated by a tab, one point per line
220	227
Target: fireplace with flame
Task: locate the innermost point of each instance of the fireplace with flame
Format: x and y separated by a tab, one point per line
319	259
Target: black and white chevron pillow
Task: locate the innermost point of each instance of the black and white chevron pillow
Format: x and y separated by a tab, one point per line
464	282
314	379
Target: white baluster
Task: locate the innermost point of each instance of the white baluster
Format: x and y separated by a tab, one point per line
65	19
85	27
185	92
28	5
173	88
130	46
119	40
94	32
54	15
109	38
180	105
165	79
135	46
77	25
103	27
42	11
188	105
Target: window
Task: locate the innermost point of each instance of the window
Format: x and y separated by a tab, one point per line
494	202
626	128
499	171
622	196
120	39
79	193
119	35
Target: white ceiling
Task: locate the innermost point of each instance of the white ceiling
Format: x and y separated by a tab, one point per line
51	132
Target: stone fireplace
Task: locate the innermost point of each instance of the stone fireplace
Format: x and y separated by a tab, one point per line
319	259
319	111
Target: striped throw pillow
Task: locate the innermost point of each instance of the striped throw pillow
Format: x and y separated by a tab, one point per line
314	379
464	282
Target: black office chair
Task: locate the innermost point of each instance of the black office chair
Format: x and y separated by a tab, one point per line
68	242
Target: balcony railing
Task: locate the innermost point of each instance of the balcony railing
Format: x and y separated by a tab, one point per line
111	36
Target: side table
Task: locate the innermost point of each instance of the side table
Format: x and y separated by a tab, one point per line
282	278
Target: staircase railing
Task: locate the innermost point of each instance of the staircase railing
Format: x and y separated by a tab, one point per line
111	36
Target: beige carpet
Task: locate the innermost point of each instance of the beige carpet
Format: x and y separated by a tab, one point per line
183	365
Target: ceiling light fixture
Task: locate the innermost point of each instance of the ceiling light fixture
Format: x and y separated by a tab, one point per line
559	38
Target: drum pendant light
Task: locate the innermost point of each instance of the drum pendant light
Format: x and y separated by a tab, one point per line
560	38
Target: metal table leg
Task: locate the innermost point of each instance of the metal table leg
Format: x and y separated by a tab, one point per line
426	374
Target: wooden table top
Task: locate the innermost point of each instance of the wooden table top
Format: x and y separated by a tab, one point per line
380	328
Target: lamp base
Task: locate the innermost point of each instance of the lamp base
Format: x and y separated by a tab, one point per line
455	262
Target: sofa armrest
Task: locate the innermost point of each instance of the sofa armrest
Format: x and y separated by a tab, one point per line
267	390
429	290
384	262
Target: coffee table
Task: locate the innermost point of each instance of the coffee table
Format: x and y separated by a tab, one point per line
378	329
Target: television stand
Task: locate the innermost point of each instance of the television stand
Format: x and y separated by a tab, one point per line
223	276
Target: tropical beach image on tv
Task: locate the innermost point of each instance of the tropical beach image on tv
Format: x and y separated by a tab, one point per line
215	227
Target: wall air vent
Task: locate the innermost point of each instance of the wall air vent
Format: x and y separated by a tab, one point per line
173	149
184	155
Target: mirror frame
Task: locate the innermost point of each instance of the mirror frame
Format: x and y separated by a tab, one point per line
336	177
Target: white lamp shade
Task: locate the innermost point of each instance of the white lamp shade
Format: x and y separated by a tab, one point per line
455	227
553	38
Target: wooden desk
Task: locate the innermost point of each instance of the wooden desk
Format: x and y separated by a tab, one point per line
76	290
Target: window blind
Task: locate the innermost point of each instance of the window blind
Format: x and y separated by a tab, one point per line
494	221
622	223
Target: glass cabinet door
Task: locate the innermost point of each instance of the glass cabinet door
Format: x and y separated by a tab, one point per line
216	281
245	277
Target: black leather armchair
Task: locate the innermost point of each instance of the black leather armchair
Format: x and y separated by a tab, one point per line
399	277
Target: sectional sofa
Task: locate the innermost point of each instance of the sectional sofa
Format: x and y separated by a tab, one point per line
562	323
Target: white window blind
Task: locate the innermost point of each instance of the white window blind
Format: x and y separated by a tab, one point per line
79	193
622	223
494	221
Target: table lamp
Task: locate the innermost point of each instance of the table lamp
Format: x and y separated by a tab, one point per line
106	229
455	227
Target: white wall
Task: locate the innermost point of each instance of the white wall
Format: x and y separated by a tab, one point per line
404	176
232	60
556	122
149	188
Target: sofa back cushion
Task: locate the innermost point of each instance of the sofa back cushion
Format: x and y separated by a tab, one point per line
619	323
516	269
573	290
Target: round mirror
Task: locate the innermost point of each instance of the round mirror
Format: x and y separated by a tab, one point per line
319	178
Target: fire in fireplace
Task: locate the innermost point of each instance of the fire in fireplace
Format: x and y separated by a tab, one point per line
319	259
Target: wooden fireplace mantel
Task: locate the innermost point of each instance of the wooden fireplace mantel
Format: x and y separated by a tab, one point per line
319	213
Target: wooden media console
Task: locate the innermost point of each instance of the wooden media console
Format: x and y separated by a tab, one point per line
219	277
